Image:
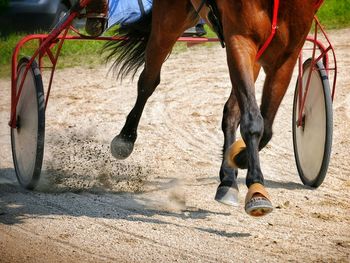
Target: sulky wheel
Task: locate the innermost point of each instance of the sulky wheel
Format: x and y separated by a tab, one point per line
312	140
27	140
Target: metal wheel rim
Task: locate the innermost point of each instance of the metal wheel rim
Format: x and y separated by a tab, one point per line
312	142
28	139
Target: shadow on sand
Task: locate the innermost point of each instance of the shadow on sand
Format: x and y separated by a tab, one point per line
18	204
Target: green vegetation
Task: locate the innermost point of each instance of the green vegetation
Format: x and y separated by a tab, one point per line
74	53
333	14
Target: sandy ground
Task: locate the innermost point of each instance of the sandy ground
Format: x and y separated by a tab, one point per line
158	205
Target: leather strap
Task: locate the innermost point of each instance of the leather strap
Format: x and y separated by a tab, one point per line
215	19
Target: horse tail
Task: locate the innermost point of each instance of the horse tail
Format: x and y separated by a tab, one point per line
128	54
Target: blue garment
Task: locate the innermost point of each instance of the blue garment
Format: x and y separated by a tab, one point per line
126	11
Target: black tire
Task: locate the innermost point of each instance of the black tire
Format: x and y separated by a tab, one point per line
312	140
27	140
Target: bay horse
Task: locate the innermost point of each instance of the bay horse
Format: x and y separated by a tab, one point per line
244	27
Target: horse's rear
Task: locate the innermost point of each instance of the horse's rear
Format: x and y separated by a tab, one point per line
245	27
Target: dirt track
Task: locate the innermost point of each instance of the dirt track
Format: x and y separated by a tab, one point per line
158	206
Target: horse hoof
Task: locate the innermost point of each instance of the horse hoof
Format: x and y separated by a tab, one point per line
121	148
236	155
257	201
227	195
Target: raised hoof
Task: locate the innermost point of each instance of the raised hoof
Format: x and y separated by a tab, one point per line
236	155
257	202
227	195
121	148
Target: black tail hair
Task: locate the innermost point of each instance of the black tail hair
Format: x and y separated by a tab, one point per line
128	54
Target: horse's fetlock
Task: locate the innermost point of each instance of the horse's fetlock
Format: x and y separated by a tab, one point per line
252	125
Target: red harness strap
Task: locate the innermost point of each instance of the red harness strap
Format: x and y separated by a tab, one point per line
273	31
274	26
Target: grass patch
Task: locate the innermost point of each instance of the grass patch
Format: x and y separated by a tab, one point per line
335	14
73	53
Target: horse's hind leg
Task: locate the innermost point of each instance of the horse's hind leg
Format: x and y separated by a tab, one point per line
169	20
123	144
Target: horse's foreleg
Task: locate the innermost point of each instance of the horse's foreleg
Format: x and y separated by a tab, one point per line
241	60
227	191
241	53
275	87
